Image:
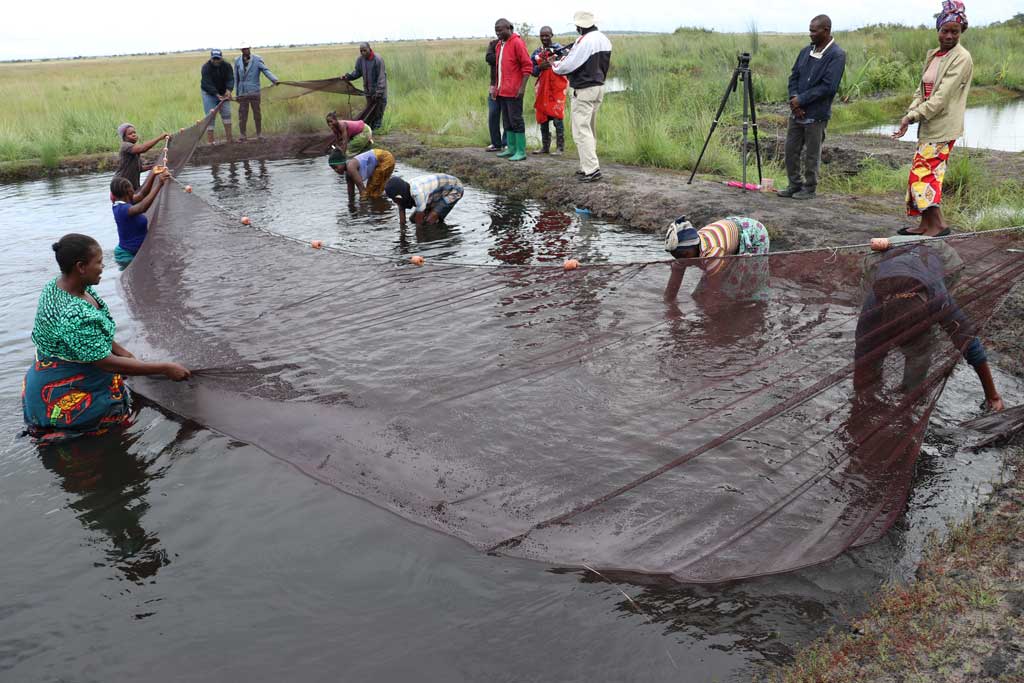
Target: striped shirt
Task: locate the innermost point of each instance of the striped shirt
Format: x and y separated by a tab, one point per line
721	238
427	190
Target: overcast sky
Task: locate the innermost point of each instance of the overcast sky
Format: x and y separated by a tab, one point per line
68	28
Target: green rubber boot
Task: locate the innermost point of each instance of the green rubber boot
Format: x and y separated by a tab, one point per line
510	148
520	148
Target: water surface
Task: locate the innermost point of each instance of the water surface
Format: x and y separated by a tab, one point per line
993	126
173	552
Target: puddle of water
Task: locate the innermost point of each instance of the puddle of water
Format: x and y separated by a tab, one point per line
995	126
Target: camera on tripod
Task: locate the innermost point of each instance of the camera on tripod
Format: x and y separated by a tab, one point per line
743	60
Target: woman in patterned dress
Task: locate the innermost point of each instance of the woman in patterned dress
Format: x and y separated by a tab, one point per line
76	386
724	279
938	109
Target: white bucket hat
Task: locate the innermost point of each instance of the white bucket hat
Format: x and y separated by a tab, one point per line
583	19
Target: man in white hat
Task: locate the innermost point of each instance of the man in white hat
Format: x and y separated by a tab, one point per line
248	68
586	65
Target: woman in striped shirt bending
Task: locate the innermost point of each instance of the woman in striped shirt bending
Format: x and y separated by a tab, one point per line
737	279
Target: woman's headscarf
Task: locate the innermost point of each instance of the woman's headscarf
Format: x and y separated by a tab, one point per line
952	12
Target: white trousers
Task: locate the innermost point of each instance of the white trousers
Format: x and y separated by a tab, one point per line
585	103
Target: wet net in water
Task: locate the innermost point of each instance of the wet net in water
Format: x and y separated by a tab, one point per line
767	421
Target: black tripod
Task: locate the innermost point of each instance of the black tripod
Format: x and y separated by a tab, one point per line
740	73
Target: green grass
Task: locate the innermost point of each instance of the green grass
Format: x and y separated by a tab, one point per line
57	109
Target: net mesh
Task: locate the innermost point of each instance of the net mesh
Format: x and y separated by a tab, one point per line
768	421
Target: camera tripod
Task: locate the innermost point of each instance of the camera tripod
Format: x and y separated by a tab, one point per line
740	74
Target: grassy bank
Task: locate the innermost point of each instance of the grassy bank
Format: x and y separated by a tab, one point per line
57	109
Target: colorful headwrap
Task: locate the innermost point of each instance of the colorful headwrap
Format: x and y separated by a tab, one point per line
952	12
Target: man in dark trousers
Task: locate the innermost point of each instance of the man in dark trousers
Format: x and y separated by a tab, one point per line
217	82
370	67
549	102
514	69
812	87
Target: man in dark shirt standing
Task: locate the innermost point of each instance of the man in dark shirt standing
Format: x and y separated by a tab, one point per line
370	67
218	80
586	65
813	84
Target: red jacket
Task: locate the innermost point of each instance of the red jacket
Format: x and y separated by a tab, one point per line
514	66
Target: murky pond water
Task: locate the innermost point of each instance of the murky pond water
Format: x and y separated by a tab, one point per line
172	551
994	126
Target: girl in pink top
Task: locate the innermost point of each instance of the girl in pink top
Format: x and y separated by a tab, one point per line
346	130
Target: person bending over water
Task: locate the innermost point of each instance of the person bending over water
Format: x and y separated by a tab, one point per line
431	197
734	279
76	386
344	131
368	172
130	213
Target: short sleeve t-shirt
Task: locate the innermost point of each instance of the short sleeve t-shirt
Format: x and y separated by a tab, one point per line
131	230
129	165
354	127
367	164
71	328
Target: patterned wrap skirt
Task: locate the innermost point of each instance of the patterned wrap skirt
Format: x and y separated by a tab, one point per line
380	175
924	188
63	400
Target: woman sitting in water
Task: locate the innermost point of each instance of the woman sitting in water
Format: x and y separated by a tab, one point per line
130	213
344	131
368	171
732	279
75	387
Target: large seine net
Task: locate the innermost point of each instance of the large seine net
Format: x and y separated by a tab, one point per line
570	417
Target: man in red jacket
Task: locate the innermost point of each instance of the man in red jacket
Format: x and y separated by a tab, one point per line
514	69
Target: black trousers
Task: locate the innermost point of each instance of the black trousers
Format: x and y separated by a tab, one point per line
803	148
512	114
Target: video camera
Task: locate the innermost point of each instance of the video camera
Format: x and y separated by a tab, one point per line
560	52
743	60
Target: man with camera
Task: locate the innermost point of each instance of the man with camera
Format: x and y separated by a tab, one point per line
813	84
586	65
549	102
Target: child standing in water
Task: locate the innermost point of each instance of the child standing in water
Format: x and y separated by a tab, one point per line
129	208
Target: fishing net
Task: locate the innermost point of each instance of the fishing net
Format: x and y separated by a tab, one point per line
767	418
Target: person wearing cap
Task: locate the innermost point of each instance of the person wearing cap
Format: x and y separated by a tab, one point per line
370	67
368	172
586	65
431	197
733	279
248	68
217	82
130	164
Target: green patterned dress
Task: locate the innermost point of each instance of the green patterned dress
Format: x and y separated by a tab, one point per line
64	394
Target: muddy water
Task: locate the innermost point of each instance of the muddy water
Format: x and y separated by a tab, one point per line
175	551
996	126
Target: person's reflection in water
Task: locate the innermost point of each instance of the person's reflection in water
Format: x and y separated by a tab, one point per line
511	242
550	228
110	485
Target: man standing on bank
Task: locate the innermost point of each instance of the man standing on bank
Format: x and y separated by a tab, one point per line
248	68
586	65
370	67
216	84
514	69
549	102
813	84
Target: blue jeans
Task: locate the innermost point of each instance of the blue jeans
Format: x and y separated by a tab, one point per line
498	138
211	101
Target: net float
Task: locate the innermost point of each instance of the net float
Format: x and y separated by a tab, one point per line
880	243
245	220
416	260
188	189
571	264
316	244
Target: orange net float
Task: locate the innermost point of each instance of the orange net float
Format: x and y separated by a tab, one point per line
188	189
571	264
880	243
245	220
417	260
317	244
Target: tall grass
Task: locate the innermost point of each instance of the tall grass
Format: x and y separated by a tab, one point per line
61	108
